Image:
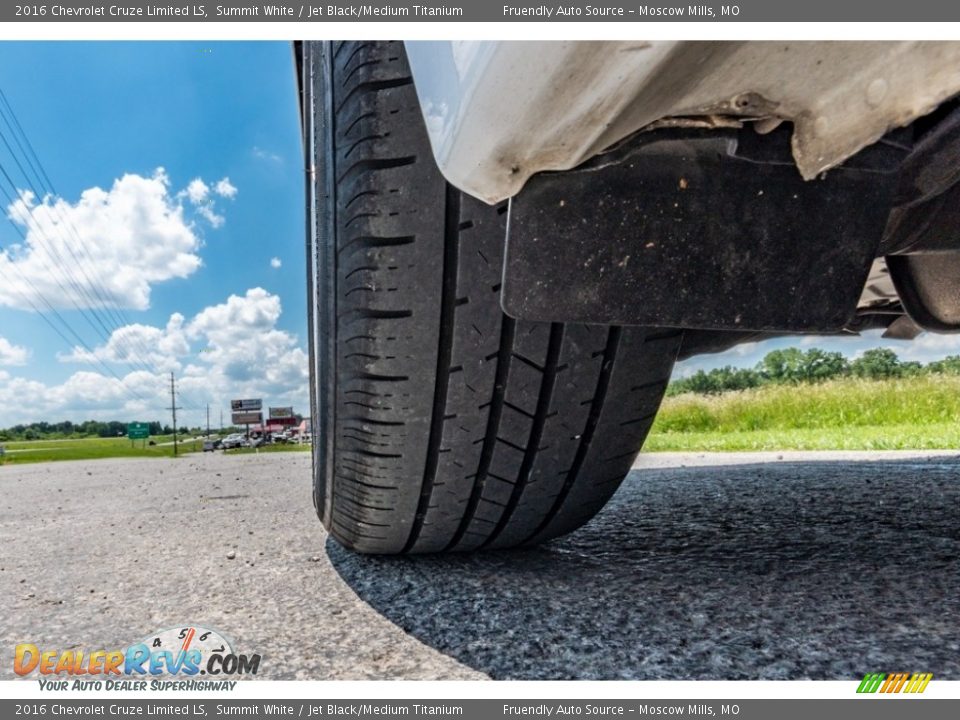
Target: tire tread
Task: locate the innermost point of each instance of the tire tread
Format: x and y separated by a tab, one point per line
455	426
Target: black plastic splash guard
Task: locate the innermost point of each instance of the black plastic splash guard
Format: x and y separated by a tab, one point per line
699	229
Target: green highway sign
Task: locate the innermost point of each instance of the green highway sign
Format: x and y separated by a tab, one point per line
138	431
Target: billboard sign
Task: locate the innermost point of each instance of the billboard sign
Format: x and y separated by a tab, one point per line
246	418
253	405
281	413
138	431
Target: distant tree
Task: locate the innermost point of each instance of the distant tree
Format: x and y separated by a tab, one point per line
700	382
731	378
816	364
792	365
911	368
716	380
112	428
877	363
782	366
89	428
950	365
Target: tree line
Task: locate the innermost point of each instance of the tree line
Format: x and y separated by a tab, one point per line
795	366
87	429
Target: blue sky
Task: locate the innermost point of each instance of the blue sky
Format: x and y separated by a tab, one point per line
180	166
102	113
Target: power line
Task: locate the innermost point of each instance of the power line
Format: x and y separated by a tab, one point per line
79	288
40	235
95	286
46	302
131	346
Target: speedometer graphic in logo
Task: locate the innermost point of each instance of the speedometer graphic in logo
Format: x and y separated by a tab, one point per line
189	641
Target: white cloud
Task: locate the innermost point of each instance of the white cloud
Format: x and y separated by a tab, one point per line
208	213
84	395
11	354
262	154
108	248
930	346
245	355
139	345
255	310
197	191
745	349
275	263
229	350
224	188
199	195
245	350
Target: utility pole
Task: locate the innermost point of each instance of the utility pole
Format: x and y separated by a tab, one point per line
173	408
208	421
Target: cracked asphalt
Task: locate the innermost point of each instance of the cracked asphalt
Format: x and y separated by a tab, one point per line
740	566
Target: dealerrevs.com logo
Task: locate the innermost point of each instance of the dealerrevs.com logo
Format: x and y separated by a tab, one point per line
172	659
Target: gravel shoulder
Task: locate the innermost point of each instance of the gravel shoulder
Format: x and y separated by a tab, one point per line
745	566
99	554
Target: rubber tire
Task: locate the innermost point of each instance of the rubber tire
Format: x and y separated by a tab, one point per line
445	424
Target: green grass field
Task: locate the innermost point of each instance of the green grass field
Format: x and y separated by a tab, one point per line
32	451
917	413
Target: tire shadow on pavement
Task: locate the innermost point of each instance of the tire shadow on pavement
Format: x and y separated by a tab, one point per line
822	570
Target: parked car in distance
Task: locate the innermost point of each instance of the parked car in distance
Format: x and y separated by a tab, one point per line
233	440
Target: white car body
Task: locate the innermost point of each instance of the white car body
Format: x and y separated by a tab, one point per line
232	441
499	112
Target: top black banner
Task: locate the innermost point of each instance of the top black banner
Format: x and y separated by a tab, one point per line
483	11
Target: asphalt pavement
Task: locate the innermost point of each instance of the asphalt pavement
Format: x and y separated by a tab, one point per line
746	566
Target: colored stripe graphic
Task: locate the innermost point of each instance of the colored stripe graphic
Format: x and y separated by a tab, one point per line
894	683
870	683
918	683
898	682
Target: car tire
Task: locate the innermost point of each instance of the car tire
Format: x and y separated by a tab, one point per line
442	423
